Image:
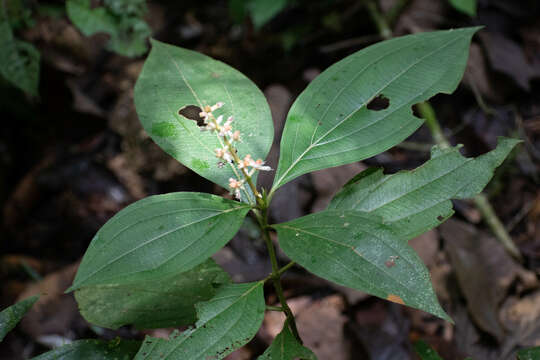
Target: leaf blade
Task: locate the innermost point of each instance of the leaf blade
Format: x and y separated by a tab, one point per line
465	6
158	236
412	202
20	61
226	322
341	129
174	78
174	296
356	250
10	317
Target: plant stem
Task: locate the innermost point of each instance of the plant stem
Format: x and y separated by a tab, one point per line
262	218
274	308
237	160
379	20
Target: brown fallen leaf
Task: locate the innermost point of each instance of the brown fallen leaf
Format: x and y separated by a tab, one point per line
320	324
485	273
55	313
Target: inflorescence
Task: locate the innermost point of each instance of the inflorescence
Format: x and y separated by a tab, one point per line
227	152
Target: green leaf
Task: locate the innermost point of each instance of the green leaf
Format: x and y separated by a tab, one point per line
356	250
165	302
425	351
11	316
262	11
529	354
465	6
412	202
122	21
286	347
19	63
90	21
173	79
93	349
331	123
159	236
226	322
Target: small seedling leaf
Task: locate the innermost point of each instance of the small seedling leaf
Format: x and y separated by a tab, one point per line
19	63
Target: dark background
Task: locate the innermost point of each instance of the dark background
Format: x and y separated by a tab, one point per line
76	155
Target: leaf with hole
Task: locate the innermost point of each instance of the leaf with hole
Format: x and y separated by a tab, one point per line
11	316
93	349
286	347
173	82
361	105
159	236
356	250
412	202
158	303
226	322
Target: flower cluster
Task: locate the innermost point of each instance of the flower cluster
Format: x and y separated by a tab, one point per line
248	166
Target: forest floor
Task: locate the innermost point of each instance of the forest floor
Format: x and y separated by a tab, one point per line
75	156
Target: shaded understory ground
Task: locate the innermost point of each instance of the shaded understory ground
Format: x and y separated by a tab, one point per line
77	155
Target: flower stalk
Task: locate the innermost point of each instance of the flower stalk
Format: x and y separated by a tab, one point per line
244	170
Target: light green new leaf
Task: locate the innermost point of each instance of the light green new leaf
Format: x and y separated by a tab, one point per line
93	349
331	123
19	63
159	236
356	250
425	351
286	347
465	6
412	202
160	303
127	29
529	354
11	316
226	322
173	79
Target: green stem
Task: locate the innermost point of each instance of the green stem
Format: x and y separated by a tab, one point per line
262	218
274	308
395	11
379	20
492	220
428	113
